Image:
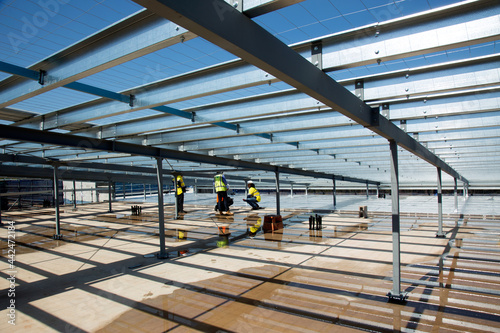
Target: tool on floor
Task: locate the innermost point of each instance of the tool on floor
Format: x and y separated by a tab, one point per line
136	210
315	222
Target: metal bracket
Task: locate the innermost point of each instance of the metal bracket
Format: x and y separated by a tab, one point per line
238	128
193	115
359	89
385	111
131	100
238	5
403	124
401	298
317	54
41	76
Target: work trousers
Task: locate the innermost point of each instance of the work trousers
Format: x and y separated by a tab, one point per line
180	202
222	201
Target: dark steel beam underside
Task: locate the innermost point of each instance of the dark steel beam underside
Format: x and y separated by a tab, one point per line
30	135
34	160
216	21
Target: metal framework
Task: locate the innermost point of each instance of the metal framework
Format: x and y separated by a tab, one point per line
384	104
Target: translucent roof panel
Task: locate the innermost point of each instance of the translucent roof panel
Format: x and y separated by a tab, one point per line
34	30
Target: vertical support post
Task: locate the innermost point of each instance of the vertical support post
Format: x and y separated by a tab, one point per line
395	294
144	188
291	190
307	188
378	191
74	194
334	194
277	175
123	189
440	232
195	188
455	192
367	189
110	198
176	206
161	214
56	204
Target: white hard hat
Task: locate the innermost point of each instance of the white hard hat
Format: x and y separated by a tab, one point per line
249	182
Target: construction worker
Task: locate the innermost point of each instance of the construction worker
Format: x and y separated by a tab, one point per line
221	187
253	196
181	189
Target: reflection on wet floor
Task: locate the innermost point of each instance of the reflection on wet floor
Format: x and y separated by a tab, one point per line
256	272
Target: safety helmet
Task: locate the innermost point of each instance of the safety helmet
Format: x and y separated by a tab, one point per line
249	182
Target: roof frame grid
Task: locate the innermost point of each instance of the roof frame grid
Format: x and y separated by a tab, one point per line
215	21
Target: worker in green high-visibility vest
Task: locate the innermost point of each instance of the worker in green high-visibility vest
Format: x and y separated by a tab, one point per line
221	187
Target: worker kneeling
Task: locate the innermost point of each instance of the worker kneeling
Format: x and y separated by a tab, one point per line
253	196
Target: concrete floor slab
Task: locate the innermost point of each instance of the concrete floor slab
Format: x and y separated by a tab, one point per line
225	274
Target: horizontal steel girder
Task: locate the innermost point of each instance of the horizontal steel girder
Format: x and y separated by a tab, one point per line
25	134
118	172
125	40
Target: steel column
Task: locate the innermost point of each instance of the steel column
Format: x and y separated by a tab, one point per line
74	194
161	215
58	234
277	175
334	194
395	294
367	189
455	193
440	232
110	199
176	206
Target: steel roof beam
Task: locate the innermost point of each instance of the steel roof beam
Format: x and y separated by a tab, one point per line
124	169
260	77
25	134
132	37
31	172
462	24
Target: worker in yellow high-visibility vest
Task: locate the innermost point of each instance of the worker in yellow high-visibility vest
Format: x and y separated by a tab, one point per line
181	189
221	187
253	196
